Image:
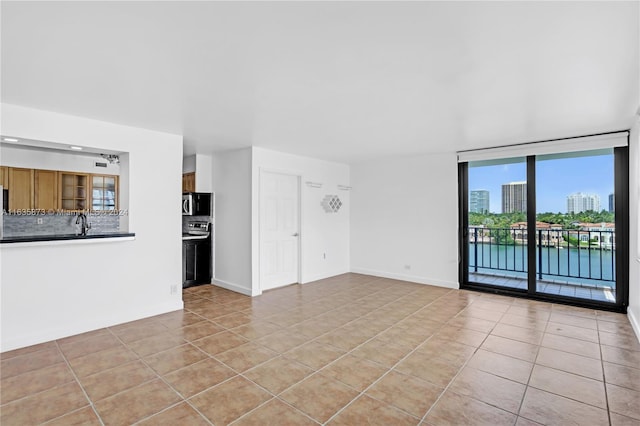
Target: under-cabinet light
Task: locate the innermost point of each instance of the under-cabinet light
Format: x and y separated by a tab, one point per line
10	139
75	148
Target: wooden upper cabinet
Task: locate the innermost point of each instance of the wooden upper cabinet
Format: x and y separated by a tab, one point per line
46	189
58	190
104	192
4	177
189	182
21	185
74	190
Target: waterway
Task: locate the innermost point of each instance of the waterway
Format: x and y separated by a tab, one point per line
580	266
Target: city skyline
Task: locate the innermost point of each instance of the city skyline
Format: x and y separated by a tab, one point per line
579	202
556	179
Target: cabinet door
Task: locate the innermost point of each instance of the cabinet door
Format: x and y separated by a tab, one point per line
189	182
4	177
46	189
104	192
20	188
73	190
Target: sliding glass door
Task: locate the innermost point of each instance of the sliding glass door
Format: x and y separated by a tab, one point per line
498	202
575	225
548	226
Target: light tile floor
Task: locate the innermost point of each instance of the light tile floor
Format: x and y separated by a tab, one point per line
348	350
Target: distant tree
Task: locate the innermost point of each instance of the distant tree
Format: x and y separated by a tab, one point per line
566	220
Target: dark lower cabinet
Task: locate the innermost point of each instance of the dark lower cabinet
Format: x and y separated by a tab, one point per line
196	262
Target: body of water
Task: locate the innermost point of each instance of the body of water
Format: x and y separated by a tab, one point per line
580	266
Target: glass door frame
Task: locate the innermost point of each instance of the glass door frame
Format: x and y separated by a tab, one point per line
621	191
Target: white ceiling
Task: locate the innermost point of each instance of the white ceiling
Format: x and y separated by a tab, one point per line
348	81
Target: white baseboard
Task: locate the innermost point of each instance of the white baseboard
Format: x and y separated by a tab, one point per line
403	277
87	324
233	287
312	278
634	319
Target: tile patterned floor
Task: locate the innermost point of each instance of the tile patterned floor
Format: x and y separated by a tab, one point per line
349	350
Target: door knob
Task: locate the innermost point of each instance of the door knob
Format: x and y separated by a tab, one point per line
295	235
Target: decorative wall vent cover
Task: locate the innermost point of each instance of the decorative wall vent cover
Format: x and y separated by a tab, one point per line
331	203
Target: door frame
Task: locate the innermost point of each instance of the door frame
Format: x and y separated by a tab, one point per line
298	177
621	190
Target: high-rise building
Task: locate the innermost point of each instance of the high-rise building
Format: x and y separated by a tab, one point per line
612	203
579	202
514	197
479	201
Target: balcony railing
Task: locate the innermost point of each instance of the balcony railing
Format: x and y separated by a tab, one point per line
579	256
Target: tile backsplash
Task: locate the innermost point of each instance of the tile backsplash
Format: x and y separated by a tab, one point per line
56	224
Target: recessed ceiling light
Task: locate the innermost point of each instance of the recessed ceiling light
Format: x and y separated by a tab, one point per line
10	140
76	148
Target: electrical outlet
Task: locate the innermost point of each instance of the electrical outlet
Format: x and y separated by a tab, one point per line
407	267
174	289
39	221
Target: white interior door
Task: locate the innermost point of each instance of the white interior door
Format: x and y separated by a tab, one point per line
279	230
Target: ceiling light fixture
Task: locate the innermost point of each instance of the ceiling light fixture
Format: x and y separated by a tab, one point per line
75	148
10	140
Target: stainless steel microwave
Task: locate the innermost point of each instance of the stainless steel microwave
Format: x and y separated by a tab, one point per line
196	204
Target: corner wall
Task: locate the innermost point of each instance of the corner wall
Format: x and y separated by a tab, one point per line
52	291
232	187
404	219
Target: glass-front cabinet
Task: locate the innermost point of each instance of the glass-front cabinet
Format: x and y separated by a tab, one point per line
83	191
73	190
103	192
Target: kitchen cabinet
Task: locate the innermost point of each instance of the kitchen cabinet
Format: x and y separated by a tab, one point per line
46	189
189	182
104	192
21	184
196	262
55	190
4	177
73	190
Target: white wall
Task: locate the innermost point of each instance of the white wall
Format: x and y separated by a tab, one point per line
404	219
48	292
232	186
189	164
204	173
633	310
13	156
320	232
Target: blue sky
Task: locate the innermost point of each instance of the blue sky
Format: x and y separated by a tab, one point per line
556	178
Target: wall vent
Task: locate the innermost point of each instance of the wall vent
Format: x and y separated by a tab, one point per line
99	164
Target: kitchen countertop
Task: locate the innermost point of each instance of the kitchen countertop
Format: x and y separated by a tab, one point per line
66	237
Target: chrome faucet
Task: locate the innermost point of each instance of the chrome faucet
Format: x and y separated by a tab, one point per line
82	218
